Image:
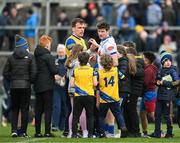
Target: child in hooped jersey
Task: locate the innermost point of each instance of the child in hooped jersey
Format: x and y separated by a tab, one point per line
108	91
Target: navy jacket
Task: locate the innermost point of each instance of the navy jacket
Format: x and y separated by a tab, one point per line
169	76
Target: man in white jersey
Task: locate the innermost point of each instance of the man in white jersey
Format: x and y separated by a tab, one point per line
107	46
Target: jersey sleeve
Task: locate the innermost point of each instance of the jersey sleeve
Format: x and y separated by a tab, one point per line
69	44
120	74
111	48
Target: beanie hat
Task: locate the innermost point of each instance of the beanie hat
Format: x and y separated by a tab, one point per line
165	56
44	40
21	42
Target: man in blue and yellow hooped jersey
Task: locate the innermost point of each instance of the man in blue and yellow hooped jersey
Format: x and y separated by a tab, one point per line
109	95
83	80
78	27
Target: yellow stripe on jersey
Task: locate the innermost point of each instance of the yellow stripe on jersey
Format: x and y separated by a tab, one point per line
108	85
71	41
83	78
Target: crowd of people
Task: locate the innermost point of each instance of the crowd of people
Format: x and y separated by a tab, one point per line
93	85
126	16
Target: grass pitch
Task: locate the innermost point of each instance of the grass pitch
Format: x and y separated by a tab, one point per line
5	137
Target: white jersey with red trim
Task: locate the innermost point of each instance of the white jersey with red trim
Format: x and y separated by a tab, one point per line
107	46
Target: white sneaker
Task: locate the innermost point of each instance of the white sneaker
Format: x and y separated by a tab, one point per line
117	136
108	135
4	122
85	134
145	136
69	134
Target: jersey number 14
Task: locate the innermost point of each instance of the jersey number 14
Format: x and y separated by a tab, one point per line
109	82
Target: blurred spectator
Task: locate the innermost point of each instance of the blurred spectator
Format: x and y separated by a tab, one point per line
142	12
3	22
107	10
168	45
154	14
169	14
62	21
121	8
92	5
13	20
166	31
95	16
148	42
127	21
85	16
125	24
153	41
142	41
31	22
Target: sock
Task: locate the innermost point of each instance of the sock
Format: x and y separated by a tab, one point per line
111	129
105	127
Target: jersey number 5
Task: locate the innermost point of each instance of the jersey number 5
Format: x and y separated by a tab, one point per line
109	82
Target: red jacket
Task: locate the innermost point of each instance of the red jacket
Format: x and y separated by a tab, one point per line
150	72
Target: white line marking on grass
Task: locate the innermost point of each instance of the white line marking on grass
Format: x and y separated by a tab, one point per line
32	140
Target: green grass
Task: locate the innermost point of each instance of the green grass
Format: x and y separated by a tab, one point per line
5	137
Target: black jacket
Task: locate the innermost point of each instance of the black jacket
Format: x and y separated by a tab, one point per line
124	85
46	69
20	69
137	80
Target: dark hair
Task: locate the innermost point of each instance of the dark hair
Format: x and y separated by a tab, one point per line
150	56
83	58
107	62
30	11
77	20
129	44
103	25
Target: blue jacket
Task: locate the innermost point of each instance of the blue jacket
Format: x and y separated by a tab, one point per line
130	21
31	22
3	22
167	91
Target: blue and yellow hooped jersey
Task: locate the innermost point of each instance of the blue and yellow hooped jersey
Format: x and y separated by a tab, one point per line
108	85
71	41
83	79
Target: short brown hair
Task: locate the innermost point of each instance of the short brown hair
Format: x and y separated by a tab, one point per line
121	50
77	20
103	25
106	62
83	58
131	50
